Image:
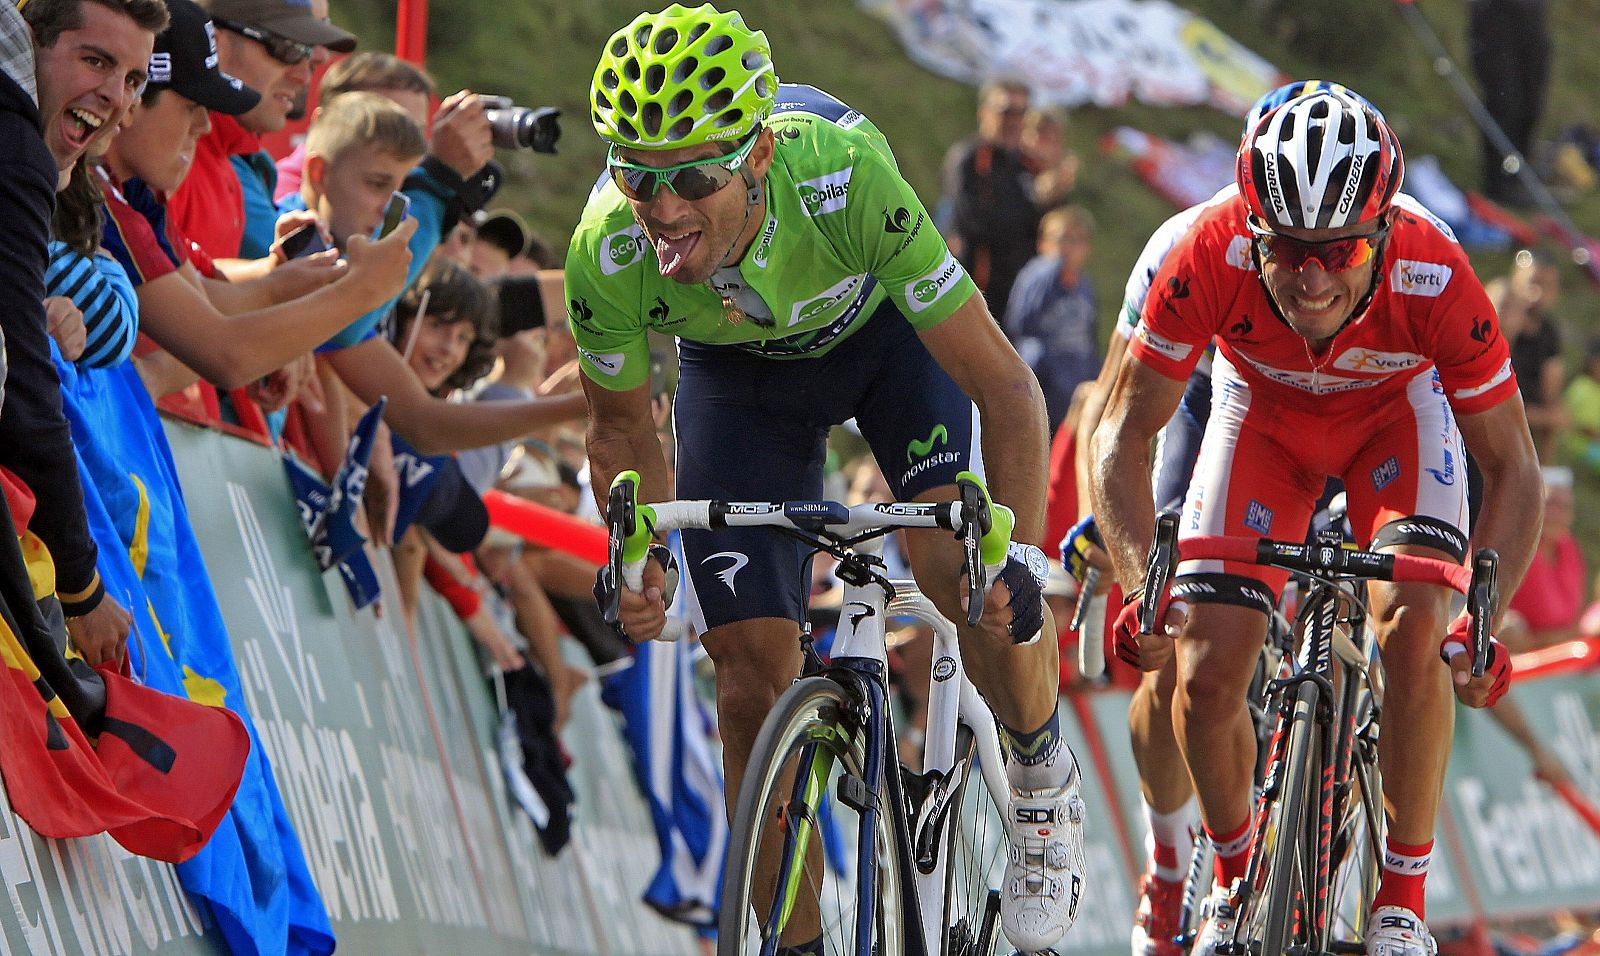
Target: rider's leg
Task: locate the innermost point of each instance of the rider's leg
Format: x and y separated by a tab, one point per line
1216	658
1163	778
756	661
1418	718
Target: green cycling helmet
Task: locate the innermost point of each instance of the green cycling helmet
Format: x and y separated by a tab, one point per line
683	77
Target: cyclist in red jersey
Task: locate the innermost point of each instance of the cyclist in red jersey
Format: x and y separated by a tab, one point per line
1353	341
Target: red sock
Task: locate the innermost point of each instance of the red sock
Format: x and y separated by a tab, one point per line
1405	874
1233	852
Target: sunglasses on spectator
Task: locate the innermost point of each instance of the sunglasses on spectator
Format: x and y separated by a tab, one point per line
688	181
285	51
1332	255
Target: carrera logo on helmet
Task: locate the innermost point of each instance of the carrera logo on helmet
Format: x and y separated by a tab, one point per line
931	288
621	249
1409	277
826	194
1352	183
1269	161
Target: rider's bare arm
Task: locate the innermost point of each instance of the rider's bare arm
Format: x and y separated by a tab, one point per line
1512	507
622	435
1016	441
1094	409
1140	403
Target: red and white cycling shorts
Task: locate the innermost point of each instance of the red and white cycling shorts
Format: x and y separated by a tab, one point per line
1262	467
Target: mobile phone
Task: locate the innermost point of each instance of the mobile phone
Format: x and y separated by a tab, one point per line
305	241
394	213
521	305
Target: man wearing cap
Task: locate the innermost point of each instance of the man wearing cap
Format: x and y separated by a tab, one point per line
49	87
225	206
501	238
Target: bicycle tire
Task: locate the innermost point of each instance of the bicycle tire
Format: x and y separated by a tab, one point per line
975	855
1275	912
809	722
1359	852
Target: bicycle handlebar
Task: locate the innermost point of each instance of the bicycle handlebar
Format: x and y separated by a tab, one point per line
1478	582
984	527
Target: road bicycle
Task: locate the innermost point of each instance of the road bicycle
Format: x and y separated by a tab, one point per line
1317	850
828	819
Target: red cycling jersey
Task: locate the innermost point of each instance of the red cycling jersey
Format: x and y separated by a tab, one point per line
1428	310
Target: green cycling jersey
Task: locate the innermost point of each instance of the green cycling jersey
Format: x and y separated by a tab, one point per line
843	233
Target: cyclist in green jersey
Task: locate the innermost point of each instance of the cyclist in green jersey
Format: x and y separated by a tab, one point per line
768	229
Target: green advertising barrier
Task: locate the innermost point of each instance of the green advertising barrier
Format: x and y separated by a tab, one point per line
383	748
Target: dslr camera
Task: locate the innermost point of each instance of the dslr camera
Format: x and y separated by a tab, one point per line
519	127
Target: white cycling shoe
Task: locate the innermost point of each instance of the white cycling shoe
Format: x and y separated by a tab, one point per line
1396	931
1045	866
1218	917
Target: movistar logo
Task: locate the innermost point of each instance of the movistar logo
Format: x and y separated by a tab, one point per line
921	449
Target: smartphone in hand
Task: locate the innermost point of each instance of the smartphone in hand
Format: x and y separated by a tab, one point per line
305	241
394	213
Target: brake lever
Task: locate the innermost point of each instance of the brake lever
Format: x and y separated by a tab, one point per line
1481	602
621	521
1158	570
975	523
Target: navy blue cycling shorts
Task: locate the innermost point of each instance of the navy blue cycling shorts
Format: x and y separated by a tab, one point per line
750	428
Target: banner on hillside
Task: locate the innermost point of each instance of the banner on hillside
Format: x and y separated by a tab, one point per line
1073	52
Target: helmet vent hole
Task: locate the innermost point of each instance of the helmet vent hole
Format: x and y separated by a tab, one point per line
619	47
753	60
641	37
630	69
679	103
651	117
730	118
627	129
710	78
628	104
698	32
762	87
719	100
685	69
720	43
602	101
654	78
609	79
666	40
682	128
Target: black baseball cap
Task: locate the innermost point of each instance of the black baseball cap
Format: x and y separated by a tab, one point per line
185	62
504	229
290	19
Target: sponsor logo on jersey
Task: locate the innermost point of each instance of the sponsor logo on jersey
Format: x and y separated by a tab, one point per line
851	120
897	221
1238	254
621	249
924	292
1258	517
608	363
661	316
1420	532
1166	348
1385	473
764	248
825	194
829	300
1482	330
1447	474
789	132
580	315
1366	360
1410	277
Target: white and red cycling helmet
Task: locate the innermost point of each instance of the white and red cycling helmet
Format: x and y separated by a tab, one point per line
1320	161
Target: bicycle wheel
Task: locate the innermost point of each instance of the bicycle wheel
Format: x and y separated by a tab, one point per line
793	847
1276	914
975	860
1358	848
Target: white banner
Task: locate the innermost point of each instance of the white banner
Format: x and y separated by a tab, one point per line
1083	51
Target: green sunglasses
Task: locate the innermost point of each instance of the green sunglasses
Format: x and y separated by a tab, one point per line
689	181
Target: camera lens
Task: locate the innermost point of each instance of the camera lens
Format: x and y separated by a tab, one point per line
518	127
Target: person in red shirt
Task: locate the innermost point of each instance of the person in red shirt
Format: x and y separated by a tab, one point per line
1353	341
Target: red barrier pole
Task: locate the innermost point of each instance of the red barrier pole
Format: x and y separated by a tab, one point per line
411	31
1557	659
546	527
